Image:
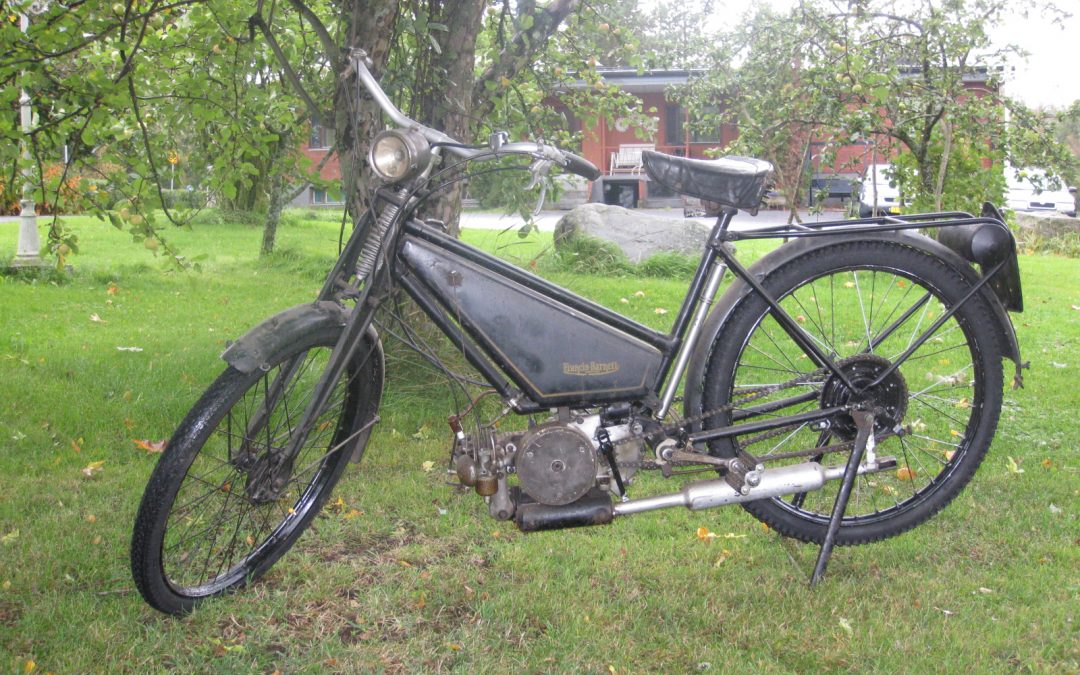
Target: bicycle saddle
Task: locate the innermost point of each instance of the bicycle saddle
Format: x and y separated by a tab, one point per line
730	181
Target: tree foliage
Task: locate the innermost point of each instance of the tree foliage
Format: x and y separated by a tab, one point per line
897	77
220	93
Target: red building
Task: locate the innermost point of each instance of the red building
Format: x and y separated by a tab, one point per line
616	148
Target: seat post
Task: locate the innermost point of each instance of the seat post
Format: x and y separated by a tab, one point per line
719	231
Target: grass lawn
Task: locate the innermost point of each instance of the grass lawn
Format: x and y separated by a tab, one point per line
402	573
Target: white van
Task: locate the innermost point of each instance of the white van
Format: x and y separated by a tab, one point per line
1023	195
879	183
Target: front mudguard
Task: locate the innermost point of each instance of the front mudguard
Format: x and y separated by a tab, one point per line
739	289
258	345
272	335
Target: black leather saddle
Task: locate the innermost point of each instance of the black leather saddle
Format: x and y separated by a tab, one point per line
729	181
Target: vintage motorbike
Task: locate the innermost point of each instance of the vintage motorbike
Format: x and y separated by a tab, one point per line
843	389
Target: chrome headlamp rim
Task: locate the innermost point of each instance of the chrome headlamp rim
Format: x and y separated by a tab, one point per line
398	155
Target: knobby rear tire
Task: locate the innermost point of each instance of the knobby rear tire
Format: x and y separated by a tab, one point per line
199	533
844	294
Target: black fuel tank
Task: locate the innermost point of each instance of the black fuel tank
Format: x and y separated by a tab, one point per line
555	354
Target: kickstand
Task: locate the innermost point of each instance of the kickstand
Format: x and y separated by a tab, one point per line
864	424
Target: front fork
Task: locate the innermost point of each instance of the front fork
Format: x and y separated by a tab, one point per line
268	476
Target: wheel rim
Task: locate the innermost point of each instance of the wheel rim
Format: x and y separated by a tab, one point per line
216	534
844	311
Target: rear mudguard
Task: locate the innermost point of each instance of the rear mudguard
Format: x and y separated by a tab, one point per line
695	373
252	350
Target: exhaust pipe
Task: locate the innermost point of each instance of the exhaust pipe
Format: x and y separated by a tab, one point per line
785	480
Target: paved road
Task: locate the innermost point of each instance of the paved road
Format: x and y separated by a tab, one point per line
547	219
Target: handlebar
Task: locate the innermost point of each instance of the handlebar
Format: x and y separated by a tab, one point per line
567	160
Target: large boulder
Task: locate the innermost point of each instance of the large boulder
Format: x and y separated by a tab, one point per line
640	236
1047	225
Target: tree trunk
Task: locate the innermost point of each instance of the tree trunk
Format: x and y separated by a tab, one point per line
369	25
277	196
445	99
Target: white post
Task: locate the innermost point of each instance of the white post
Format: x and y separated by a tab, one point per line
28	253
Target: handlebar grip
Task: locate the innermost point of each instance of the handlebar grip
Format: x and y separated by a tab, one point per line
580	166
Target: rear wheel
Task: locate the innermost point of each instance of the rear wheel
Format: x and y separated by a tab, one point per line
210	520
865	303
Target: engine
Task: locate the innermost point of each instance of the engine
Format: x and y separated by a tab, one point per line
556	463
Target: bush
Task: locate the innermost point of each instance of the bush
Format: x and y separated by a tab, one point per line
223	216
185	199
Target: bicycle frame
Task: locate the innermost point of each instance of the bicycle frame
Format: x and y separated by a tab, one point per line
433	268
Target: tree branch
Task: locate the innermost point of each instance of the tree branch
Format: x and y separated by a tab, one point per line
333	53
290	74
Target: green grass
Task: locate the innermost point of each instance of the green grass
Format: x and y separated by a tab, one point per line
406	574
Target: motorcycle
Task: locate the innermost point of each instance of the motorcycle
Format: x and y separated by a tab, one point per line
843	389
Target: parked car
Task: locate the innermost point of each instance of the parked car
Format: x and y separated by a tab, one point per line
1030	190
879	182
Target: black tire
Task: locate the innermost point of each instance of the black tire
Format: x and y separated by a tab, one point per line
199	531
845	295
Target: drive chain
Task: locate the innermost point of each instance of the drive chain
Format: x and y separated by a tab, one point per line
681	427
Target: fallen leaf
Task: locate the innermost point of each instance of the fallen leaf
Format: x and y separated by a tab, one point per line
1046	463
9	538
1076	307
984	590
1012	466
421	433
1055	509
428	466
724	555
949	454
624	301
905	473
77	445
849	284
639	294
151	447
421	602
945	611
90	518
846	625
96	319
453	646
96	540
660	310
704	534
353	513
92	468
800	318
29	666
113	289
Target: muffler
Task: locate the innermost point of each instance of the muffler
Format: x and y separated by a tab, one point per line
785	480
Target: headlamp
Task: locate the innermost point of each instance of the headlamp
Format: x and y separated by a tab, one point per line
399	154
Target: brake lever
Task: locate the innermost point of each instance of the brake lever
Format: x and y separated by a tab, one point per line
539	169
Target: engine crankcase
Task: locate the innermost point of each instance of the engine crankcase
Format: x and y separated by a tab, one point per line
556	464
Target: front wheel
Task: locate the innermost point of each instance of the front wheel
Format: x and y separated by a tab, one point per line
210	520
864	303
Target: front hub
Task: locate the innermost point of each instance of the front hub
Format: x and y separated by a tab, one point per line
888	399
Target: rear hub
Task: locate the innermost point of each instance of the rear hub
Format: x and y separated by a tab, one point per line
888	399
